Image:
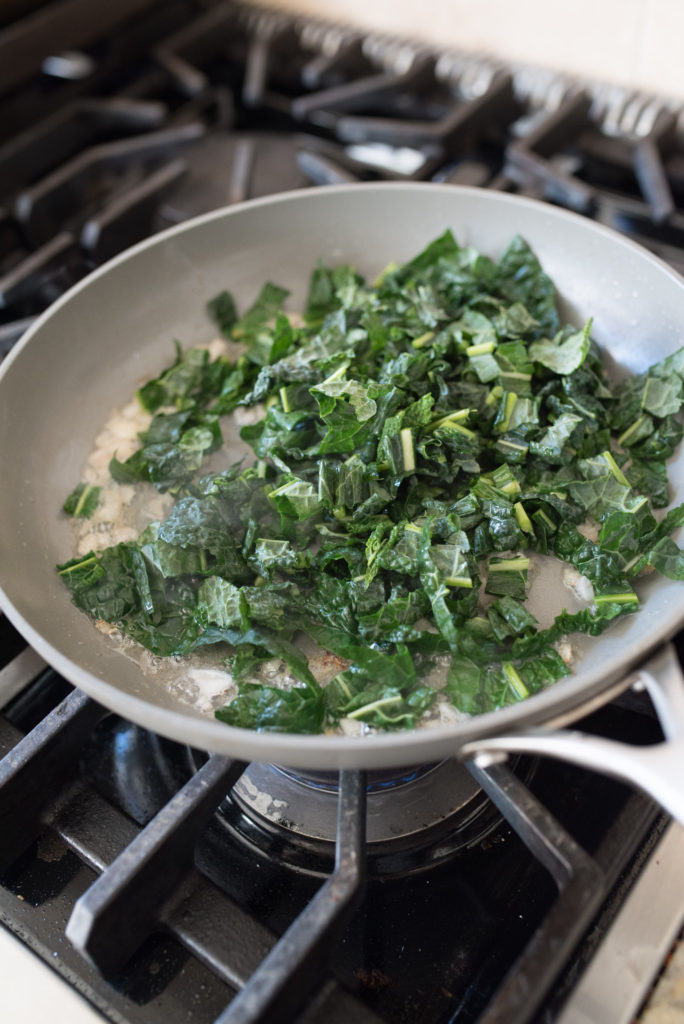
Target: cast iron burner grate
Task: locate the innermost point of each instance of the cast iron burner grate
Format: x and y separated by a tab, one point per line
192	890
116	127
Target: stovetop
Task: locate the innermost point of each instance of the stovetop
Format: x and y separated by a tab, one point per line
156	879
448	926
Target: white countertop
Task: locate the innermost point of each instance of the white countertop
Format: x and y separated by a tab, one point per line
32	992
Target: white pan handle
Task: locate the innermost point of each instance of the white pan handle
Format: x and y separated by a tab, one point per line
658	769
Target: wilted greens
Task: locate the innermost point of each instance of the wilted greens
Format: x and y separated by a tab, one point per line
421	437
82	501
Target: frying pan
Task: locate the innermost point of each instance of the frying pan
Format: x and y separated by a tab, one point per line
87	354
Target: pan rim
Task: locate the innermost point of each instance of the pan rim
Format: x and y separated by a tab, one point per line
344	751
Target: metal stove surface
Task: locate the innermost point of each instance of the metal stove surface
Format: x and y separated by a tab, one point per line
155	880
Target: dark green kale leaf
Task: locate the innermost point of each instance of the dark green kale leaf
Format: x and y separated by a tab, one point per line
82	501
176	443
121	587
270	709
380	689
509	618
82	572
224	312
265	307
508	576
436	589
395	621
181	381
650	478
666	558
330	288
219	602
565	353
443	248
522	279
476	690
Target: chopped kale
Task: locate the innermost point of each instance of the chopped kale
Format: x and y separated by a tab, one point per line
223	310
82	501
422	437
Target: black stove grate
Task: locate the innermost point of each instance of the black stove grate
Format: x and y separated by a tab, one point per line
225	911
105	145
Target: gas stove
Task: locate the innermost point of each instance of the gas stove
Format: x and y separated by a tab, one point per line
164	884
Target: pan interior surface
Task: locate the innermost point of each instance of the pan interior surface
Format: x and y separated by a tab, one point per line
91	350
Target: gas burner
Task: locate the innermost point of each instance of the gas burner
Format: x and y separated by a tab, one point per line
415	817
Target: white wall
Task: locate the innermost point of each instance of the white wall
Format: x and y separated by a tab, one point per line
630	42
